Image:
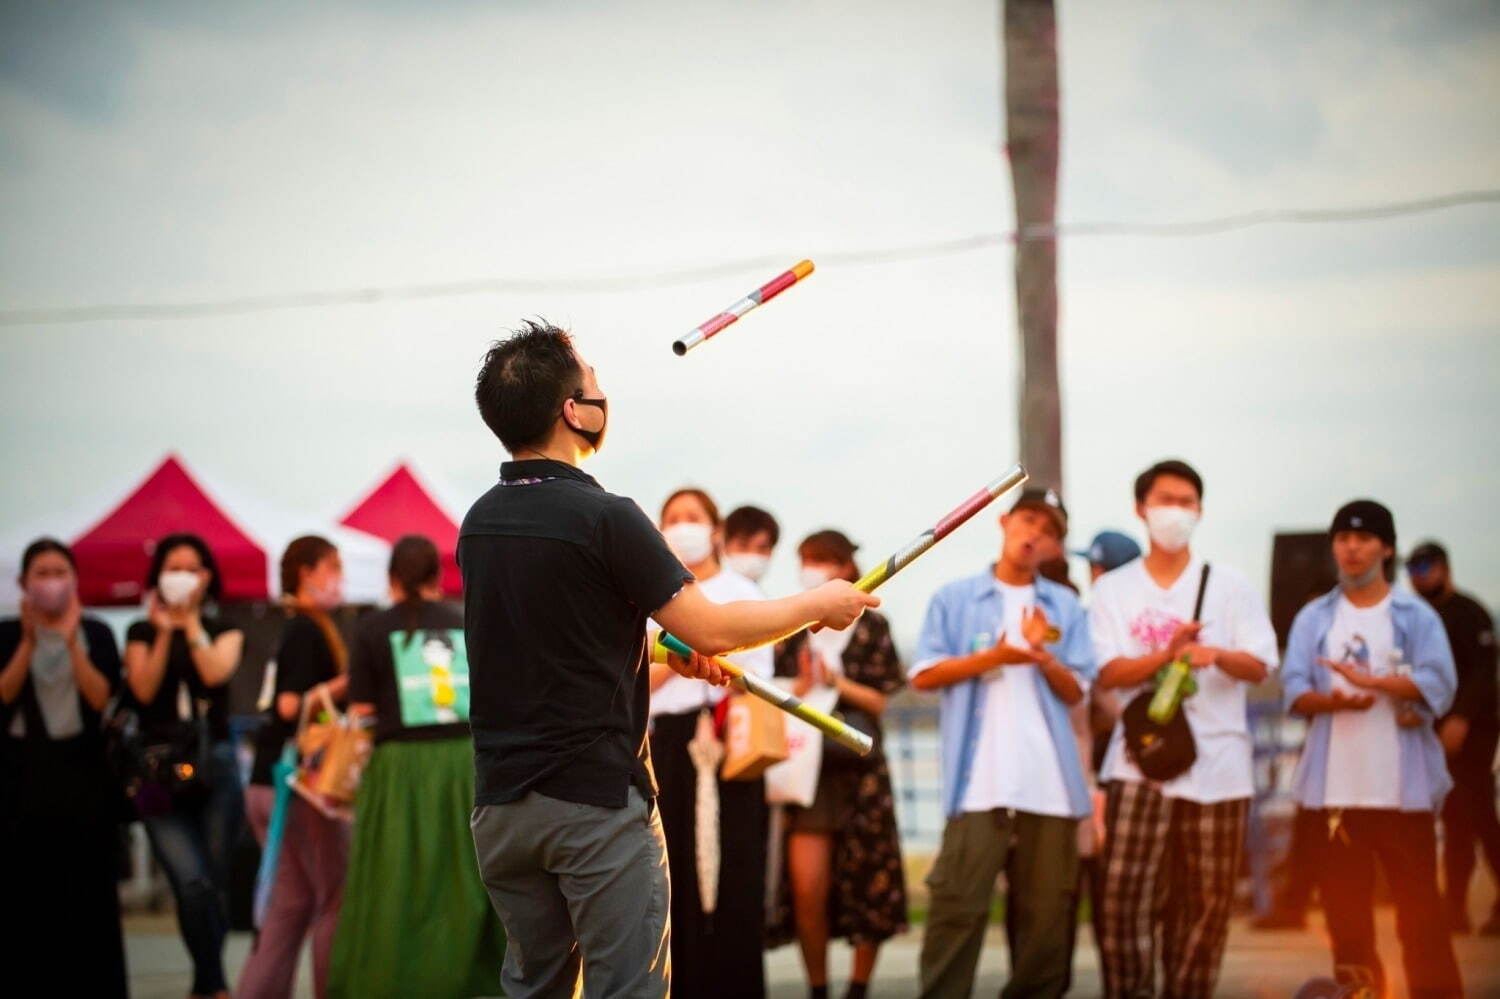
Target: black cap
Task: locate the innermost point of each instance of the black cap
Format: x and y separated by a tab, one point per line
1048	501
1368	516
1428	551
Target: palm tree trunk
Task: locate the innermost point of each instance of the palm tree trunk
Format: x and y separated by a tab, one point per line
1031	128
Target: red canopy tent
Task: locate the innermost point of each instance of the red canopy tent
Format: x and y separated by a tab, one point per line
399	505
115	554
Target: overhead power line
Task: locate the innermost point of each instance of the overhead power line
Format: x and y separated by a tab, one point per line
689	275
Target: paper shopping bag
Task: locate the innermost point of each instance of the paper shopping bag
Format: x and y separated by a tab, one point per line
794	781
754	737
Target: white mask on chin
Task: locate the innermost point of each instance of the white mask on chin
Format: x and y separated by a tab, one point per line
1170	527
748	564
812	577
691	543
1363	579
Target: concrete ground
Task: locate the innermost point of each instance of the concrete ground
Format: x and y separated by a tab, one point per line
1257	964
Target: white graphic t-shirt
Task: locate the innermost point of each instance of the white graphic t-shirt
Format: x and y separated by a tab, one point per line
1364	751
1015	761
1130	616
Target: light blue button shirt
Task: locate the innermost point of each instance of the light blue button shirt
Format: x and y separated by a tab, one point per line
1424	645
968	608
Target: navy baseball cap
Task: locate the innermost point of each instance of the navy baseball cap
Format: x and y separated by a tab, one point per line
1427	553
1111	549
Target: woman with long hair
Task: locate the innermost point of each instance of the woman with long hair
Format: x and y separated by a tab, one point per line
178	663
843	852
718	952
311	663
438	936
58	804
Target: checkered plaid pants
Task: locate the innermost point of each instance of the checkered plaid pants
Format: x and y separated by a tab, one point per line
1169	869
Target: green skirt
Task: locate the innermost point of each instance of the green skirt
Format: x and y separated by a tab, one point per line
416	920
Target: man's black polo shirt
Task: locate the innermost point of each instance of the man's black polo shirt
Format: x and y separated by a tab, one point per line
559	578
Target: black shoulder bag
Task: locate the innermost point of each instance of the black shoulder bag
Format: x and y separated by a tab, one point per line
157	773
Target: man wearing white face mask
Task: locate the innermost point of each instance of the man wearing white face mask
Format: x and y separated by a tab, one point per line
1187	831
750	536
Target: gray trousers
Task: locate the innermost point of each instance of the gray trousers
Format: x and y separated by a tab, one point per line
583	894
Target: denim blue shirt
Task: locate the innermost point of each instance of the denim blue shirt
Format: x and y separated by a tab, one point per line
968	608
1424	646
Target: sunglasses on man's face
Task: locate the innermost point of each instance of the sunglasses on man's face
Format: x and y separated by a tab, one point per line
1419	568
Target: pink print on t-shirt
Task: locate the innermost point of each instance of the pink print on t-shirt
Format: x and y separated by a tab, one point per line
1153	628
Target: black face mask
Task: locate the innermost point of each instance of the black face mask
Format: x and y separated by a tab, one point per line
595	438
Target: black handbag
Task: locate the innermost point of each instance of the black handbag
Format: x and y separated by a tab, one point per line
157	771
1161	750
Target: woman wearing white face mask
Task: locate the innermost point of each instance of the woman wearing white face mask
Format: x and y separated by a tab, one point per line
58	803
178	662
308	890
719	953
843	852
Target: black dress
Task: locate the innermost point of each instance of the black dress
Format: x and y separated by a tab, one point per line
867	890
719	954
59	833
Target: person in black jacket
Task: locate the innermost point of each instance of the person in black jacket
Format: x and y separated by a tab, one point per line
178	662
58	804
1468	732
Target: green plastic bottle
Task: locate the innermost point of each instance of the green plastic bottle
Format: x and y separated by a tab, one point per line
1173	683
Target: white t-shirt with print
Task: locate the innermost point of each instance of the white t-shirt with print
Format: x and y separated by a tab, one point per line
1015	762
1130	616
1364	749
679	694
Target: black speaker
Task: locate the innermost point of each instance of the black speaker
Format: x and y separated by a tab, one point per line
1302	567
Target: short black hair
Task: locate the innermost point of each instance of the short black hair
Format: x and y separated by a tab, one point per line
748	521
523	382
171	543
42	546
1172	466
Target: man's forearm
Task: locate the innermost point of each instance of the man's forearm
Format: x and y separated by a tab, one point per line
1062	681
716	629
1399	686
1240	665
1124	672
947	672
1314	703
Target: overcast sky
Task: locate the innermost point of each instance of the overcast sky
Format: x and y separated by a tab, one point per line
184	152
